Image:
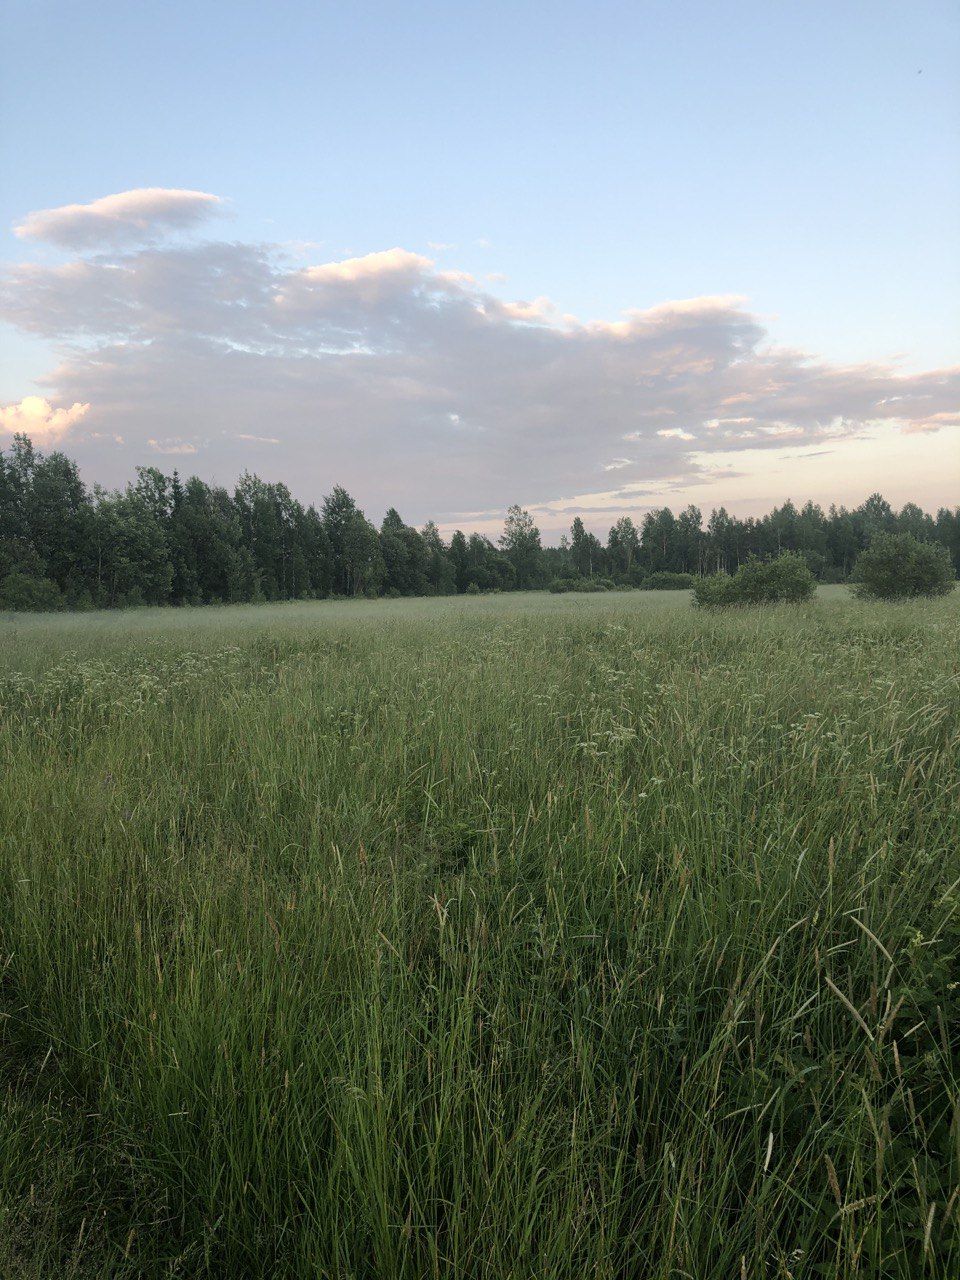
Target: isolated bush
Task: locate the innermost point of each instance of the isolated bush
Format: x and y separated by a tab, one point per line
786	580
473	589
664	581
25	594
897	566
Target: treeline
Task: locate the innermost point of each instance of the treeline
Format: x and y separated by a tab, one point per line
166	540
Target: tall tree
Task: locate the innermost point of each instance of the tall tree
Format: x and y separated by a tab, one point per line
586	550
623	546
440	574
690	540
356	559
405	556
520	542
459	560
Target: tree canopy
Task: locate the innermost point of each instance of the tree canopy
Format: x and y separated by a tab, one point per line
168	540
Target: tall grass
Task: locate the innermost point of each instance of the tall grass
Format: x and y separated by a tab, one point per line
527	938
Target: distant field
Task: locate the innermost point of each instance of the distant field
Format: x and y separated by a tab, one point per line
508	936
32	641
53	631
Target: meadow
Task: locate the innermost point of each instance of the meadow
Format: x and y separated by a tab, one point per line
502	937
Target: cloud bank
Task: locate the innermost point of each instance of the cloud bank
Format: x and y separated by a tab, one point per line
38	419
411	384
130	217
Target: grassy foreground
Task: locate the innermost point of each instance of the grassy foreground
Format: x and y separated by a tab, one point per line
523	937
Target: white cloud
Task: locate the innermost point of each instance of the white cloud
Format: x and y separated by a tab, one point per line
38	419
354	366
539	311
712	423
173	446
388	262
129	217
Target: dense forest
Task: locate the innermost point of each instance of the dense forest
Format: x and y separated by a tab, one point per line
166	540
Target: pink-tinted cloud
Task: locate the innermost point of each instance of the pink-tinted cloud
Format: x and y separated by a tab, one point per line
416	386
38	419
129	217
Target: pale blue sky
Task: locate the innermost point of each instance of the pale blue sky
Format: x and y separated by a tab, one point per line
606	155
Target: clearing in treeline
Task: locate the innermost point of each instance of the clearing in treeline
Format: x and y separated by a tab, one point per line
528	936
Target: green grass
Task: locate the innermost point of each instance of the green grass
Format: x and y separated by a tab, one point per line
534	936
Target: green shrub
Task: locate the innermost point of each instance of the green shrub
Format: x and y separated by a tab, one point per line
664	581
715	590
786	580
25	594
897	566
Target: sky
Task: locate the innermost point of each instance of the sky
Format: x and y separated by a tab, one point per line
588	257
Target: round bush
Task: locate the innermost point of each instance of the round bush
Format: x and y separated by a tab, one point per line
897	566
786	580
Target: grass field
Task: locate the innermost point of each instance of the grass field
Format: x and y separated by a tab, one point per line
524	936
